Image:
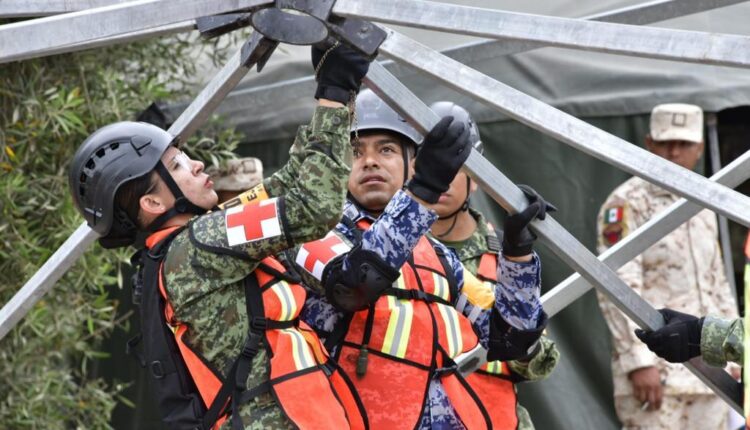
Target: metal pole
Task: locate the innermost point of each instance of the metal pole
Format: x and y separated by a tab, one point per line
651	42
559	240
568	129
39	37
61	261
45	278
724	238
643	13
569	290
29	8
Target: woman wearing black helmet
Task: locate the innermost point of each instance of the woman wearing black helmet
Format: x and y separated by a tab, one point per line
235	346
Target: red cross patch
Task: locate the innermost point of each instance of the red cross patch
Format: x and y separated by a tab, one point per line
251	222
314	256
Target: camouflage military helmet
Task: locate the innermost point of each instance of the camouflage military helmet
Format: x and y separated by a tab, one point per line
112	156
372	113
460	114
237	175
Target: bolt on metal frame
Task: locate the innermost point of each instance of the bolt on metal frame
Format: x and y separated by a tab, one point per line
127	18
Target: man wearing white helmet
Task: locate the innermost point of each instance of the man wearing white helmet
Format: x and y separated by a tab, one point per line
477	244
683	271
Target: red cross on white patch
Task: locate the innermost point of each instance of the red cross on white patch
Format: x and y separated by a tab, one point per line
251	222
314	256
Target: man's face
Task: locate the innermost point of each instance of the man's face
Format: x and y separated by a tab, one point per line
377	169
681	152
451	200
189	176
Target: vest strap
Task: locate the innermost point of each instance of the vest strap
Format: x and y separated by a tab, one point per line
420	295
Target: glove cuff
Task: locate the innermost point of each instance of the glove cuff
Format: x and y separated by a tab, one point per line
336	94
517	250
423	191
509	343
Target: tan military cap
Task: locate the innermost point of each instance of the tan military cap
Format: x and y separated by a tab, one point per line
677	121
237	175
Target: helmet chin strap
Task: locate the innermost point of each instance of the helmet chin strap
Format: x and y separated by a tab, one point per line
181	204
464	207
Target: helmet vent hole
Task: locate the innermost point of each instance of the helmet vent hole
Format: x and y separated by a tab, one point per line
100	153
114	145
83	178
90	164
82	191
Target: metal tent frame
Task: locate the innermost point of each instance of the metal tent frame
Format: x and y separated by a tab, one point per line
89	23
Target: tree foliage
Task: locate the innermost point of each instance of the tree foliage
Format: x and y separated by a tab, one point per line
47	107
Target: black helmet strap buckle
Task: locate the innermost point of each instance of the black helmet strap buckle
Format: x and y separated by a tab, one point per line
181	205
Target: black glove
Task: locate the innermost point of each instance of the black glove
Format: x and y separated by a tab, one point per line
678	341
340	73
518	240
443	152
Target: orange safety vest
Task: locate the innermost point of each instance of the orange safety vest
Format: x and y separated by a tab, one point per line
303	380
493	382
410	335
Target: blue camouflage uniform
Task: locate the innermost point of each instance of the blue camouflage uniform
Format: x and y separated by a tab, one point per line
392	236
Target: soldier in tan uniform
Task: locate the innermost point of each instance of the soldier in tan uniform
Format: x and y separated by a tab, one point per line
683	271
236	176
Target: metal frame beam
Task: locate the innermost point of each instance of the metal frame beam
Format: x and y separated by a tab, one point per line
55	34
559	240
569	290
651	42
568	129
33	8
73	248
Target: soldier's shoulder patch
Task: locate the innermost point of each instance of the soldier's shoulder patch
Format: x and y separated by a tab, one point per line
254	221
614	222
314	256
612	233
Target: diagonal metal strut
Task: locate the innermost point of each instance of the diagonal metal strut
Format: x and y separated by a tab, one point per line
569	129
38	37
559	240
651	42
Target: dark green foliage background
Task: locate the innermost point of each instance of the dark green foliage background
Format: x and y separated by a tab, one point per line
47	108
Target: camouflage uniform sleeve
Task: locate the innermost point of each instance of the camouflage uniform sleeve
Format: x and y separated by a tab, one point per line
313	183
517	293
722	341
540	365
310	194
632	354
398	229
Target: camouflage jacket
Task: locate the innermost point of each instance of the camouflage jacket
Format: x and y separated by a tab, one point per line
683	271
393	235
539	366
722	340
205	289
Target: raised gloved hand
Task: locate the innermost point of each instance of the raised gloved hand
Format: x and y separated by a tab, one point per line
678	341
518	240
339	71
444	150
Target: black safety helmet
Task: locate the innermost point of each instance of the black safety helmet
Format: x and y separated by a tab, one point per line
111	157
374	114
458	113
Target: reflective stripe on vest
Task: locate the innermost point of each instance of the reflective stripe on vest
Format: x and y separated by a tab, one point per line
405	345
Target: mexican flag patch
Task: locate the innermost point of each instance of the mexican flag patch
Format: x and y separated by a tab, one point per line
613	215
